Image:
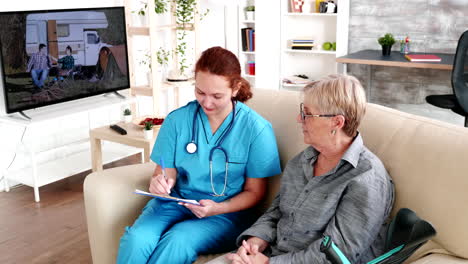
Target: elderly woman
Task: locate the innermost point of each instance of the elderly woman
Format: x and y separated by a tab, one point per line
335	187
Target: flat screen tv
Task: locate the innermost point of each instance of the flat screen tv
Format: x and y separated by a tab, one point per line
54	56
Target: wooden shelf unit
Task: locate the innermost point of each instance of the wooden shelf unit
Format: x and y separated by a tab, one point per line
315	63
154	87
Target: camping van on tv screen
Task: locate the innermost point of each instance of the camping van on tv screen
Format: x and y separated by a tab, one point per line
53	56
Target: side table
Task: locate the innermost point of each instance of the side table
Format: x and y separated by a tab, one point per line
134	138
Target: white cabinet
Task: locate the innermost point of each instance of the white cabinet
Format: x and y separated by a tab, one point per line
247	45
267	43
321	28
55	144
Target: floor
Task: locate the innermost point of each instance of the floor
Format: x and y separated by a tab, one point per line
52	231
431	111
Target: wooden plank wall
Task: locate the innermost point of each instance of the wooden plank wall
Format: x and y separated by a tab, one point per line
432	25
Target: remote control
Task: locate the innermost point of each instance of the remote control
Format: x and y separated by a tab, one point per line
119	129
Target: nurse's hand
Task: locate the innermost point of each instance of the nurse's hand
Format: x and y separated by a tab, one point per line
159	185
205	209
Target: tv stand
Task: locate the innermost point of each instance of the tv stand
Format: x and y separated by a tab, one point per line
119	95
56	141
24	115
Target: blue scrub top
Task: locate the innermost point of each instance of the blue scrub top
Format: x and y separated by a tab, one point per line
250	146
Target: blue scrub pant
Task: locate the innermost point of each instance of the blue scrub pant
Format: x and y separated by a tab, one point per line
167	232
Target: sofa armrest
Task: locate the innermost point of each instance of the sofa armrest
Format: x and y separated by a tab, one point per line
111	205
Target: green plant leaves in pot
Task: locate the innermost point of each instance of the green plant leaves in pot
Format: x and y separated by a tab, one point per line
387	40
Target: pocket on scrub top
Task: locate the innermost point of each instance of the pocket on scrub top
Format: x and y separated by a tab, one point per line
236	174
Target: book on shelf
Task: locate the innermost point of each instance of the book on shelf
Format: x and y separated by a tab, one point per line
423	58
251	48
244	39
253	40
302	40
302	47
247	34
304	43
296	80
248	39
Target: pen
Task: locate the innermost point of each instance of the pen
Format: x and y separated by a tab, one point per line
163	168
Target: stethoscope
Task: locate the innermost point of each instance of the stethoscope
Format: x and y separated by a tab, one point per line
191	148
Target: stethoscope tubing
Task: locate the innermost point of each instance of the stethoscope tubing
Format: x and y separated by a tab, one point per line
192	147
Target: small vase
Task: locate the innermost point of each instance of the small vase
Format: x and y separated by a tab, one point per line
148	133
250	15
405	47
127	118
307	7
386	50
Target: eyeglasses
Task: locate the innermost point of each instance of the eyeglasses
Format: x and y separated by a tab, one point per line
303	115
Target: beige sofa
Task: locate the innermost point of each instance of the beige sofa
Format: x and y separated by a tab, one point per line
427	159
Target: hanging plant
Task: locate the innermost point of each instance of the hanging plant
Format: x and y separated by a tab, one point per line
160	6
162	56
184	13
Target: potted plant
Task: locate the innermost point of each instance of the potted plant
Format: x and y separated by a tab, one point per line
387	42
139	17
127	115
148	130
162	57
145	62
249	12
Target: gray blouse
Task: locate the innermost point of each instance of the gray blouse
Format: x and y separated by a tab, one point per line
351	203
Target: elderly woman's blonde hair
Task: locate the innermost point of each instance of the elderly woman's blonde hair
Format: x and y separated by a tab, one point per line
340	95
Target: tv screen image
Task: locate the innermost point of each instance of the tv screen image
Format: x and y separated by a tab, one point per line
60	55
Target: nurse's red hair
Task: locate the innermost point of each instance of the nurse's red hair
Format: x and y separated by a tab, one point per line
219	61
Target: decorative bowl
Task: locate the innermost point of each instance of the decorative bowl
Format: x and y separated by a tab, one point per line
157	121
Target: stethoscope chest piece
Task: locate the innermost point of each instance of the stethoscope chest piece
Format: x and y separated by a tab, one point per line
191	147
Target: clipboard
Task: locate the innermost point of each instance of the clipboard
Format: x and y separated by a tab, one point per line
166	197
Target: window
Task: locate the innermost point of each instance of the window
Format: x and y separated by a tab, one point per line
92	38
63	30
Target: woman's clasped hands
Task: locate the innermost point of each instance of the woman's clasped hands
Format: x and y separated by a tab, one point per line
250	252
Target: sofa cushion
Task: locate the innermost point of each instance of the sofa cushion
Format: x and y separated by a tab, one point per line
111	205
428	162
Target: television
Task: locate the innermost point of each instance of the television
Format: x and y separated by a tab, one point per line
54	56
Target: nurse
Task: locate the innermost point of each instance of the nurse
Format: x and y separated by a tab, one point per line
217	151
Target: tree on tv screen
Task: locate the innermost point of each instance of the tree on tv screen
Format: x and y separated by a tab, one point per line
114	34
13	40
